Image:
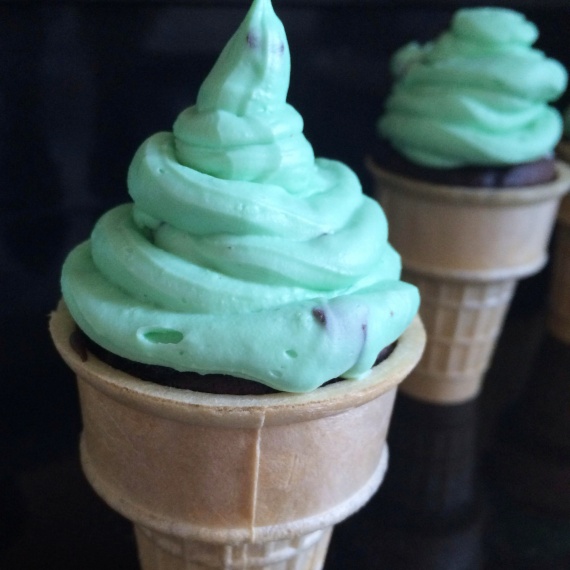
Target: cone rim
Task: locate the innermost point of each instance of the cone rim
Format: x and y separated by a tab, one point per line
477	196
234	410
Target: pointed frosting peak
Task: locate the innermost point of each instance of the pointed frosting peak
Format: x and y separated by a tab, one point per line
253	70
241	127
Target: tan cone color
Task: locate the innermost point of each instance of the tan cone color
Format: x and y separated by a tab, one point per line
158	551
464	320
234	482
465	249
559	302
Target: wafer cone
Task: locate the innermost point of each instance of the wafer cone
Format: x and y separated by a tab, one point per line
465	249
559	302
232	482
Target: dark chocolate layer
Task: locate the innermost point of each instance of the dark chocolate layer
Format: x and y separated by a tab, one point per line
524	174
208	383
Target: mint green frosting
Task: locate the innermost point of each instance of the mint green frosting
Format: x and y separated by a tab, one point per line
477	95
242	253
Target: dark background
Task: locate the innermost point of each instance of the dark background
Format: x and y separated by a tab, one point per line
81	85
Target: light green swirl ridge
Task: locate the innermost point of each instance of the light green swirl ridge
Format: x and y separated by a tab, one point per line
478	95
159	185
274	268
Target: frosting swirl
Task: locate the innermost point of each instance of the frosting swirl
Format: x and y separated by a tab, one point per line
242	254
478	95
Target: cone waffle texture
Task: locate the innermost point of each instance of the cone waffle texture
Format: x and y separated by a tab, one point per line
464	320
190	468
162	552
465	249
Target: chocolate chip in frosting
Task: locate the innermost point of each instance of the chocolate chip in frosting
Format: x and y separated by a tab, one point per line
320	315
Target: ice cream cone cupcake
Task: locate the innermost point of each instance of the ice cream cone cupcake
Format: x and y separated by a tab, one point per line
233	481
244	260
470	186
465	249
530	459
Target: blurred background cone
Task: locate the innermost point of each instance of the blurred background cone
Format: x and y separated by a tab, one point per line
529	463
234	482
559	295
466	249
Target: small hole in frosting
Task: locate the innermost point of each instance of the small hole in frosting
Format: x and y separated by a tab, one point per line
161	336
291	353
